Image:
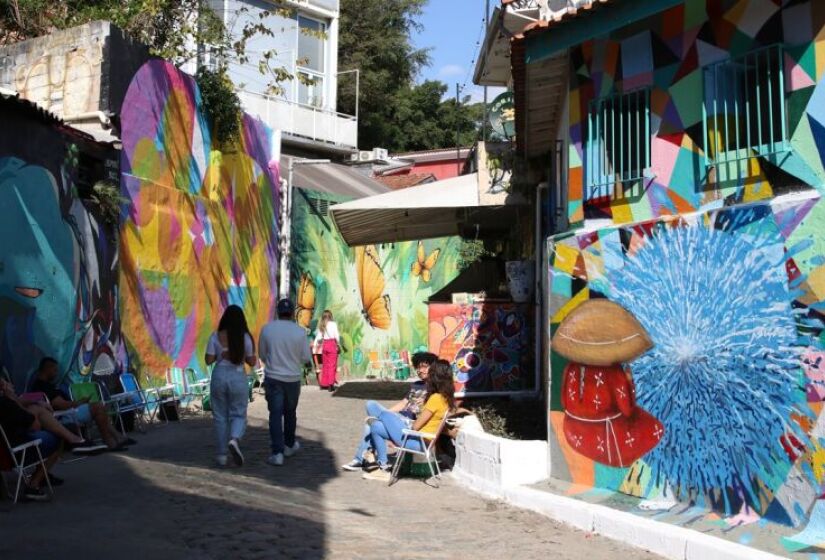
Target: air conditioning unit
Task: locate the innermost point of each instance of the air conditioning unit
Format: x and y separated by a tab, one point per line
354	157
380	153
364	156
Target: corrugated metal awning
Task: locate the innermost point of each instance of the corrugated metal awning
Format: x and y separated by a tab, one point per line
436	209
332	178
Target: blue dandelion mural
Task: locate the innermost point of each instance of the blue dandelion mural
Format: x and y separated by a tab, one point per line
723	375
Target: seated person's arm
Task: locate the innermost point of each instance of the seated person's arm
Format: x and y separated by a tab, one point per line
423	417
60	403
399	406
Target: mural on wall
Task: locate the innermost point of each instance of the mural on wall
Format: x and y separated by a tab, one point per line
487	343
724	272
672	59
378	293
58	280
200	230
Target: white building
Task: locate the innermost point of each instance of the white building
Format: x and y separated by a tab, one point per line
305	43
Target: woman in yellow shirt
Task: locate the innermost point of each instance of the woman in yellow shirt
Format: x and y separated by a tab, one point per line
440	400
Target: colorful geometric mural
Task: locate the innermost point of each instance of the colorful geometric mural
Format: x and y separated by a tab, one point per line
669	56
378	294
200	226
58	280
487	343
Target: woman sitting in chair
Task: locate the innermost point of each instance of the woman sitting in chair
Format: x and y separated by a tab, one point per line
439	401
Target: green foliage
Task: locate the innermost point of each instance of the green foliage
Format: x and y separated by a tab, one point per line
106	196
470	251
172	29
221	104
394	112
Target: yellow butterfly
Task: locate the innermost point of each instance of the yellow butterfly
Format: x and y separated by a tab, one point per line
306	300
375	305
423	265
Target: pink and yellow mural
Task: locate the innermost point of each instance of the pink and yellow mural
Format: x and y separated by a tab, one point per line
200	226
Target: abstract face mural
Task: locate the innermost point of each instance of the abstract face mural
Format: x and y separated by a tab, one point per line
201	228
57	278
378	294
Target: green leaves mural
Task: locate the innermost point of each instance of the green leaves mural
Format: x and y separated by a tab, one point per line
321	254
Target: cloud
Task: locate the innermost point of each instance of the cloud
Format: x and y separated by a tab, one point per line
451	70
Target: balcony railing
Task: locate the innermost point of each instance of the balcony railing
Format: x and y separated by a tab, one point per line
305	121
329	5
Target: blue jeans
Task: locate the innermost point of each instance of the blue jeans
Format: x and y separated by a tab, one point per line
389	426
282	401
229	396
374	409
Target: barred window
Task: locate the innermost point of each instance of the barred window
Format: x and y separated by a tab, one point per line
618	143
744	108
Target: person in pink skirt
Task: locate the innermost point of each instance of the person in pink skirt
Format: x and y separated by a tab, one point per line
328	339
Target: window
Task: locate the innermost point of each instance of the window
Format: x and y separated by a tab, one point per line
618	143
319	205
744	108
311	61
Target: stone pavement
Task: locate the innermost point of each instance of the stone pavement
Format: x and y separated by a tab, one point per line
164	499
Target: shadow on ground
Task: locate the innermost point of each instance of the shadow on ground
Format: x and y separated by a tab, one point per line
374	390
168	500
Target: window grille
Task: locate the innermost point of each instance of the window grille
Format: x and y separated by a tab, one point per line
319	205
618	142
744	112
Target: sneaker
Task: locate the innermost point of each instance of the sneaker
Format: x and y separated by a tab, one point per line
290	451
220	460
35	494
353	466
235	450
276	459
381	474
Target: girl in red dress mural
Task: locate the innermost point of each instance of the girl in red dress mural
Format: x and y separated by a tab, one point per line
601	418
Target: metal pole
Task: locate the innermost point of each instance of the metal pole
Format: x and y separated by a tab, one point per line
457	145
486	29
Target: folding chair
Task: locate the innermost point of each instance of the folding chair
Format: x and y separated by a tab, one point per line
18	462
197	386
401	365
131	399
157	397
376	363
428	442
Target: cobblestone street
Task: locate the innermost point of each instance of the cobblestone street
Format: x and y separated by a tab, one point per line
163	499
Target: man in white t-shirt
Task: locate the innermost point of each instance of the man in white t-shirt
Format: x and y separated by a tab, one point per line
284	349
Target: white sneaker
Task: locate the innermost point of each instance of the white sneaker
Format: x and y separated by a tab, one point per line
276	459
220	460
290	451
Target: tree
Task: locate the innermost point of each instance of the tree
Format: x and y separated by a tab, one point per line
423	120
375	38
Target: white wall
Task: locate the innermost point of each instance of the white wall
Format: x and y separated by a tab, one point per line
285	44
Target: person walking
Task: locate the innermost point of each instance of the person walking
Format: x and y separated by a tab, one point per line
229	348
329	340
284	349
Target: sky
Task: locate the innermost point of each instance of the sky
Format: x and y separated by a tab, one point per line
453	29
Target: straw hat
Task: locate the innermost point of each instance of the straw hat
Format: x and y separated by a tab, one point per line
600	333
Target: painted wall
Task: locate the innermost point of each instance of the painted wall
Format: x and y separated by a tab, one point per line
489	345
387	311
200	226
58	280
723	407
668	53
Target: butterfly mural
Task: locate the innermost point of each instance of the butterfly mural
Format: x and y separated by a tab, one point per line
423	264
375	304
305	301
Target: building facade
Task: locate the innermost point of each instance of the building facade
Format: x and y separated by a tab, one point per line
692	146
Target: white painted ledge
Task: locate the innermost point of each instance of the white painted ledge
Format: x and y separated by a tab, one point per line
502	461
669	541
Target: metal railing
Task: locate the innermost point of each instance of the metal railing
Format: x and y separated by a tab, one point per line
306	121
618	142
744	114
